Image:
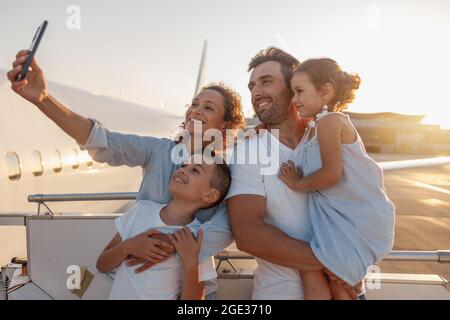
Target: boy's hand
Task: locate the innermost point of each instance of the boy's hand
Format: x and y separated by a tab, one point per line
289	175
146	247
34	86
144	264
187	246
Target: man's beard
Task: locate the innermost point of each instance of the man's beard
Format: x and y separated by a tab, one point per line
278	112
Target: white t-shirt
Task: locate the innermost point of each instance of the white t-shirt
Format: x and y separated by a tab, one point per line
164	280
285	209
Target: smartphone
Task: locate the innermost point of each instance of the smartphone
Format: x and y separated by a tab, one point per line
34	45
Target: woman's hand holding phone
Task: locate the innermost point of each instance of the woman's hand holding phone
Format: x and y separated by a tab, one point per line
28	81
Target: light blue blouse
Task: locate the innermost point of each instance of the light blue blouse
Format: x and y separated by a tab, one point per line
154	156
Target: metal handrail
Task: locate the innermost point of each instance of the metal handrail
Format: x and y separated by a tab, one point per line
41	198
440	256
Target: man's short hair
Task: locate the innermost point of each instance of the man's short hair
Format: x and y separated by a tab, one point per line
287	61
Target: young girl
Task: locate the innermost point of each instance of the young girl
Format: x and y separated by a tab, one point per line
352	218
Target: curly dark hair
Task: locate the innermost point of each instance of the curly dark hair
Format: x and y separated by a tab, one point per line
325	70
233	107
287	61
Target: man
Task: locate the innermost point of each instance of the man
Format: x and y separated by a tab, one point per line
269	220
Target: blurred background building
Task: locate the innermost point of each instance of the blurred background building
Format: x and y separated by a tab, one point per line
387	132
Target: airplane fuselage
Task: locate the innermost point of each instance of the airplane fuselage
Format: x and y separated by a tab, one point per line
36	156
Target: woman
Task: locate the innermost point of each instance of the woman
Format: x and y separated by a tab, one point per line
216	106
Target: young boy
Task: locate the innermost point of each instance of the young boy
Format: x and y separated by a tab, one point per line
193	187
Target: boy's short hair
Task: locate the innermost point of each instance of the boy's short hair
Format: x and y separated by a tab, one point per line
220	179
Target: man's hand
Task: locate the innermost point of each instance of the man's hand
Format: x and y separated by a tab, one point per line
34	87
352	291
187	246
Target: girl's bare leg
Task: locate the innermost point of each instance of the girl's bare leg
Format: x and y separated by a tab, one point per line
315	286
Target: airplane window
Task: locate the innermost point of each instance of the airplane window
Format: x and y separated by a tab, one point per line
56	161
86	158
37	165
13	166
73	159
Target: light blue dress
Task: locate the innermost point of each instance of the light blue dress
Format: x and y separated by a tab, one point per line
353	221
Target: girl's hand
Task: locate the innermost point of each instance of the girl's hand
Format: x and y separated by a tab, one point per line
289	175
187	246
34	87
149	249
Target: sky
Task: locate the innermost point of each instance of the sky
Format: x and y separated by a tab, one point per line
149	51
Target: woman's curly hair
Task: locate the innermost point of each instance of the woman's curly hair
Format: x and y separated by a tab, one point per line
234	113
325	70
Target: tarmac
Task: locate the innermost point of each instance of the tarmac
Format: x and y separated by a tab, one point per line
422	199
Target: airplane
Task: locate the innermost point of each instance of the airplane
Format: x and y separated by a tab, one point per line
36	156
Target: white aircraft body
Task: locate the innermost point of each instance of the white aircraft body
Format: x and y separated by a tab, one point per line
36	156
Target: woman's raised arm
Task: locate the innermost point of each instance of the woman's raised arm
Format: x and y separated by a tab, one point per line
104	146
34	89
